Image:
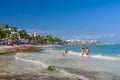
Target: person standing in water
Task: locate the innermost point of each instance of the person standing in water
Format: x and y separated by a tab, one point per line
82	51
87	51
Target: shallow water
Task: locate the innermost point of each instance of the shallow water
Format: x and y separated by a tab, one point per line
73	63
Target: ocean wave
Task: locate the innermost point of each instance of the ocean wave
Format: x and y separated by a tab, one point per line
76	53
98	56
73	75
32	61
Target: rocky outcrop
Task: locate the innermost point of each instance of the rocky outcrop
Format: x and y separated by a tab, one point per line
15	49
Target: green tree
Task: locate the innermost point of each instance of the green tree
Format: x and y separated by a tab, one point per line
49	38
41	39
57	39
5	34
23	34
14	29
5	27
14	37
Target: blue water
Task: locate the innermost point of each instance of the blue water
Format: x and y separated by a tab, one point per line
103	49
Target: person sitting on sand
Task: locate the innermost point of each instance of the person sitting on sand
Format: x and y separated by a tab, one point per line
87	51
82	51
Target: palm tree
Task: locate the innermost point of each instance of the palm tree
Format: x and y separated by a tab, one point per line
14	37
57	39
14	29
49	38
23	34
5	27
5	33
40	39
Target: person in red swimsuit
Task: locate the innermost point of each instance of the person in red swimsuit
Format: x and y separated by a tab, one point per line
87	51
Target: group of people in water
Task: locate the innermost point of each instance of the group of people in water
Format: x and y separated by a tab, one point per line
87	51
83	51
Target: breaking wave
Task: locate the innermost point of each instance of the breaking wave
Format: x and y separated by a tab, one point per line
98	56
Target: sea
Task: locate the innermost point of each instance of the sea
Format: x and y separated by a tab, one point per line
103	62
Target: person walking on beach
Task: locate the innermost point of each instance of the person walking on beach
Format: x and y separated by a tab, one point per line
82	51
87	51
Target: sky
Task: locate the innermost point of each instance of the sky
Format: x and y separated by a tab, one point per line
67	19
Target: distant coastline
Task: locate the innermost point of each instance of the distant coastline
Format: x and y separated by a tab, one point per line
82	41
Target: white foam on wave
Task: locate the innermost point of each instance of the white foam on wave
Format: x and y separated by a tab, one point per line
76	53
74	75
17	57
105	57
32	61
98	56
